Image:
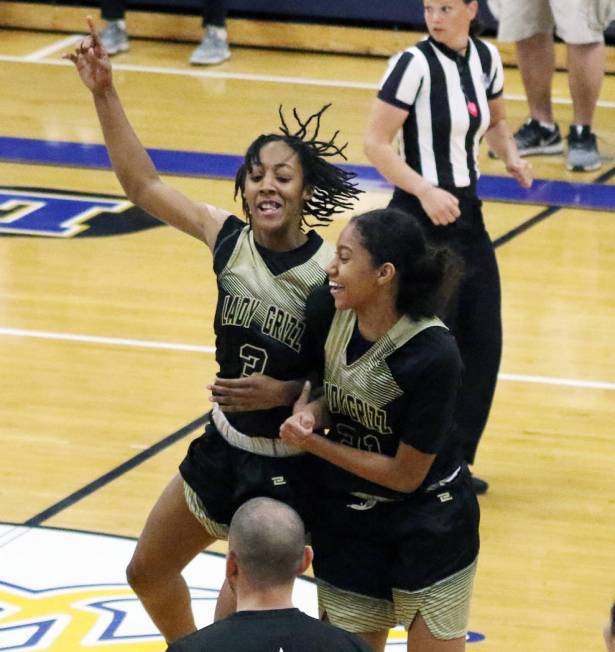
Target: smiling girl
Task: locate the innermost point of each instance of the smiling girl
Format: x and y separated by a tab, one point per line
396	538
264	270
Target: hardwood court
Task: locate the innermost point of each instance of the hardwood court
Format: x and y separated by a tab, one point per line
105	343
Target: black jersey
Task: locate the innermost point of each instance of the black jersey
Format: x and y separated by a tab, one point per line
401	388
260	315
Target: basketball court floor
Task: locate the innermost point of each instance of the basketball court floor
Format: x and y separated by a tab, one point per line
106	344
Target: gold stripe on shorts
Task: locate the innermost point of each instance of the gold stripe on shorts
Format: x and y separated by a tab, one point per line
445	605
354	612
196	507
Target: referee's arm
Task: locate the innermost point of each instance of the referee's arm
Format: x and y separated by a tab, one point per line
383	124
501	141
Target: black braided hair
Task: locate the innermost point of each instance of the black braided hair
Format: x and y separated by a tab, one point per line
332	191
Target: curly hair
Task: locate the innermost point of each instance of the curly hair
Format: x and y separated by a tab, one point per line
332	190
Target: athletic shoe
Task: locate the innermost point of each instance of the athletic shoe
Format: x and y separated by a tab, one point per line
583	154
532	138
212	49
480	486
114	37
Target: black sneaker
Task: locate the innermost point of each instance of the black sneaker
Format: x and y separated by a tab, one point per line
532	138
583	154
480	486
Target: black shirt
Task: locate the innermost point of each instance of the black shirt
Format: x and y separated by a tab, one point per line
277	630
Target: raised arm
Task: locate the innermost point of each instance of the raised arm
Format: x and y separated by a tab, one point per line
131	163
384	121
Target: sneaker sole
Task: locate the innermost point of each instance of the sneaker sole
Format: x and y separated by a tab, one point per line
557	148
208	62
584	168
121	48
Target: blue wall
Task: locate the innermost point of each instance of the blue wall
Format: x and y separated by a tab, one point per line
403	13
383	12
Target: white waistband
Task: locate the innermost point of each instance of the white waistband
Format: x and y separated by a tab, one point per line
444	481
257	445
377	499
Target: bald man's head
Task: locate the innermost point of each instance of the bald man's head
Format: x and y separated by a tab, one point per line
267	538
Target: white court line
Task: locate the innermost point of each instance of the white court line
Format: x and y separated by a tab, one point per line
174	346
55	47
568	382
211	74
112	341
274	79
12	534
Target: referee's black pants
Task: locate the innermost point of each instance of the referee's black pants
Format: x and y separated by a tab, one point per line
474	315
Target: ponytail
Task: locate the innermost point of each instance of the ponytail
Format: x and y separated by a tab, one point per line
427	276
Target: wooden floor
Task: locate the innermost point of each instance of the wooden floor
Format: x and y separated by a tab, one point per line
90	377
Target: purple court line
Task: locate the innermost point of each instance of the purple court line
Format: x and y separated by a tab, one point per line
562	194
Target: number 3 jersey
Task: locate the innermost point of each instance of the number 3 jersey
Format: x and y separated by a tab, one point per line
400	388
260	315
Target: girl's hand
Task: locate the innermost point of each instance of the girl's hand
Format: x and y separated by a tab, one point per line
255	392
92	62
298	429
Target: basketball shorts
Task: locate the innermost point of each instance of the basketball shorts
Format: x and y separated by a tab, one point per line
575	21
222	477
378	563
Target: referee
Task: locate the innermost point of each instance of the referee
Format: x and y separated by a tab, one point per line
442	96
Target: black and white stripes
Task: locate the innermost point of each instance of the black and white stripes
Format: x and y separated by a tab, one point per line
446	96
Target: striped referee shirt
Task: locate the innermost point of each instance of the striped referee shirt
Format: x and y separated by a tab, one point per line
446	97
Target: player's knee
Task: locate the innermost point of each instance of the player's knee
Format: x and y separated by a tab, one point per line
138	575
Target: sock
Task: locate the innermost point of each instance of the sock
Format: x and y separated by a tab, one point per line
220	32
547	125
582	129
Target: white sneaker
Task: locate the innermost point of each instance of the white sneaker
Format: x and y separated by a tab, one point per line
114	37
212	49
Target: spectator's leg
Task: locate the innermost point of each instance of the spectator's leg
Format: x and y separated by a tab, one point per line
112	10
214	45
585	73
536	60
214	13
